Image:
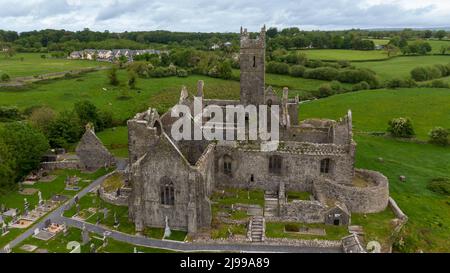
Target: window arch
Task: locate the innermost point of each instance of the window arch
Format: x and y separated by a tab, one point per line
227	164
167	192
275	164
325	166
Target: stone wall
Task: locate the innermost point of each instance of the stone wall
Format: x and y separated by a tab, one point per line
61	165
299	168
300	211
371	199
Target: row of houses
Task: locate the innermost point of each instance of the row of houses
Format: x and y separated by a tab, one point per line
111	55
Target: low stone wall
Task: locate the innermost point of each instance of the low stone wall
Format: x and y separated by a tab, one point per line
61	165
300	211
274	241
371	199
396	210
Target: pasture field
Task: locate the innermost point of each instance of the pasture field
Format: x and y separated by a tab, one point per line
401	66
33	65
380	41
344	54
121	101
426	107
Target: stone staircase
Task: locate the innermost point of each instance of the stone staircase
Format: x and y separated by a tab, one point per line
256	229
271	204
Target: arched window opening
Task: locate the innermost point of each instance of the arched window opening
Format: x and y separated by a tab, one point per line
227	164
167	192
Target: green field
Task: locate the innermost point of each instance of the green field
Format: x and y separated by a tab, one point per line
401	66
62	94
343	54
115	140
373	109
33	65
380	41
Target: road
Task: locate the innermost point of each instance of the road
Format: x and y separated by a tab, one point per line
56	216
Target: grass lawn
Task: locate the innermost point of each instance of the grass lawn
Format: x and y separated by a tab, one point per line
276	230
401	66
373	109
59	244
234	196
298	196
16	200
344	54
115	140
380	41
33	65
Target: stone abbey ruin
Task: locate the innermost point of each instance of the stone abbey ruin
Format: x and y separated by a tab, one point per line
174	180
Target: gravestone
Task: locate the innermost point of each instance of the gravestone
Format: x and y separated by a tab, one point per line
92	249
26	206
7	248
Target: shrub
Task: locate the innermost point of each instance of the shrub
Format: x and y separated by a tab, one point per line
325	90
439	136
361	86
277	68
425	73
8	113
439	185
344	64
5	77
336	86
296	58
297	71
322	73
401	127
439	84
359	75
314	63
401	83
182	73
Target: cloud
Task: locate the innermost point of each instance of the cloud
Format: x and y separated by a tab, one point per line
214	15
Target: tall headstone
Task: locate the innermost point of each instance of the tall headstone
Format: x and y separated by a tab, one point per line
167	231
26	206
85	235
41	201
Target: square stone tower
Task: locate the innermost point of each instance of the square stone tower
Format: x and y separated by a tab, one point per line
252	63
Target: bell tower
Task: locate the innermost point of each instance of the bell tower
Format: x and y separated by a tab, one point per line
252	63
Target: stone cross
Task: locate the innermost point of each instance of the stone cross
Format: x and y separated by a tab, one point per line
116	221
167	231
105	213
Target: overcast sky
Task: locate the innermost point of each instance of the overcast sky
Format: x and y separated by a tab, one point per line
220	16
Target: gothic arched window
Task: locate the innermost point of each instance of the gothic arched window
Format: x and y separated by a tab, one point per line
227	164
167	192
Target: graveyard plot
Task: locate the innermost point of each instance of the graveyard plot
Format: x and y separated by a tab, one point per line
158	233
53	194
59	243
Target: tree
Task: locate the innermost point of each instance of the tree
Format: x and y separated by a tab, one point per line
132	79
7	175
391	50
66	129
41	118
272	32
428	34
87	112
112	76
440	34
26	144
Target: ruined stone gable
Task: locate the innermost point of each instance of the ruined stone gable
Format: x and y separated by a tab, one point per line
92	153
